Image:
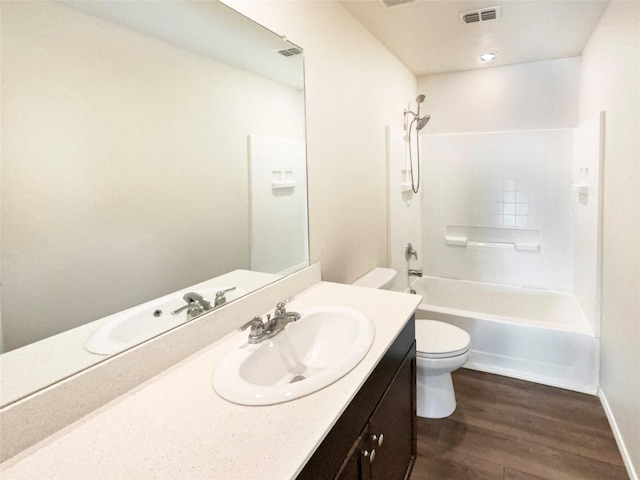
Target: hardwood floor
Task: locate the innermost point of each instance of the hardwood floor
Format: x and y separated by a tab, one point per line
508	429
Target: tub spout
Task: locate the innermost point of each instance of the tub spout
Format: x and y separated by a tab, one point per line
414	273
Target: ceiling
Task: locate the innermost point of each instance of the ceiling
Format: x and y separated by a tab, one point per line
429	37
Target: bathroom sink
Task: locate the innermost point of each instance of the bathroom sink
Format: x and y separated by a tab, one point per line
135	325
310	354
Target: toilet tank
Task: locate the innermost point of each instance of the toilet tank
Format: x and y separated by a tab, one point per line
377	278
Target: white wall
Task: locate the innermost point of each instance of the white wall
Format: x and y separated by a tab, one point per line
610	81
354	88
528	96
112	194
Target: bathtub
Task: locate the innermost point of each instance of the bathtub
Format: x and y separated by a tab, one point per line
536	335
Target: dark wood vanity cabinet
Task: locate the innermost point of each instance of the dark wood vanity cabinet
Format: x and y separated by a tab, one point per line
375	438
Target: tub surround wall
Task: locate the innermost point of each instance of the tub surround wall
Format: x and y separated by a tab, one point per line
279	233
586	216
504	182
347	72
404	208
610	75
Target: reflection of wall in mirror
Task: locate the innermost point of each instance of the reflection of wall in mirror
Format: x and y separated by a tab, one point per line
112	190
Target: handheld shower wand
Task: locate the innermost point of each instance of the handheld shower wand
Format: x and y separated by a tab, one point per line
420	122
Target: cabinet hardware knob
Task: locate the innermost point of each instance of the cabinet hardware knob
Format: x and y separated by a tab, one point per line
378	438
371	455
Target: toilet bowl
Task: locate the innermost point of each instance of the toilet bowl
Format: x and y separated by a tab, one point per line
441	349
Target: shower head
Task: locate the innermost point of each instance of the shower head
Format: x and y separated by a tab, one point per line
419	100
422	122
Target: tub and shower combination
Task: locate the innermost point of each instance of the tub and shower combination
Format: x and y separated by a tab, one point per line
535	335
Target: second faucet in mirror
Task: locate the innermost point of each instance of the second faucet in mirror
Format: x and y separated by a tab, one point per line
197	304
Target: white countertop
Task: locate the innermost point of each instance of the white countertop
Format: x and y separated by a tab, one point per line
176	426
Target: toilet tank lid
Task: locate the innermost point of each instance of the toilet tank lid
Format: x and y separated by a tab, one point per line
377	278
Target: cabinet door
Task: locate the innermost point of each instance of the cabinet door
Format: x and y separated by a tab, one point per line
357	465
392	426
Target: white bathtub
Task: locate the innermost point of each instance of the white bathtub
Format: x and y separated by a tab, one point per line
535	335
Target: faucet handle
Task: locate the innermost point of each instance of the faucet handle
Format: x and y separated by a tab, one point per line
257	327
231	289
254	323
220	296
281	308
409	252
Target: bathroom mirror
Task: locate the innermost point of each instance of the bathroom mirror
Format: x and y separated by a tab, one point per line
148	148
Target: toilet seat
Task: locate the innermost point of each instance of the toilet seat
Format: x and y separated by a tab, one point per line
440	340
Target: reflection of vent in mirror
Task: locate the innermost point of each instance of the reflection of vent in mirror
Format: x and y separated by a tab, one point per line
491	13
290	52
393	3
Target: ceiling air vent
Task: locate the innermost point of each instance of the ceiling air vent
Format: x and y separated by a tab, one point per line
290	52
482	15
393	3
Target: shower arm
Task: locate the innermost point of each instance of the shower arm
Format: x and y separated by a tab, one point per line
407	111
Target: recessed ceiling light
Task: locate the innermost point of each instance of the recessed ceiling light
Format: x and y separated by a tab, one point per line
488	56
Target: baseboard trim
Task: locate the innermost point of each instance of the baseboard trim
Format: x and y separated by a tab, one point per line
519	374
633	475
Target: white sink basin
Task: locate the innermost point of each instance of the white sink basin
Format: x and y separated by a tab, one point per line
310	354
138	324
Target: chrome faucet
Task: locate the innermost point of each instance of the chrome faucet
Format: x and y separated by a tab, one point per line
414	273
261	331
196	305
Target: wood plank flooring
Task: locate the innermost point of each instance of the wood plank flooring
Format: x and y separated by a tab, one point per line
508	429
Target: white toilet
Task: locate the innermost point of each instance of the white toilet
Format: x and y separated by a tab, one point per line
441	349
379	277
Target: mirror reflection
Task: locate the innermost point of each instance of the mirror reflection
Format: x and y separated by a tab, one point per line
153	169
